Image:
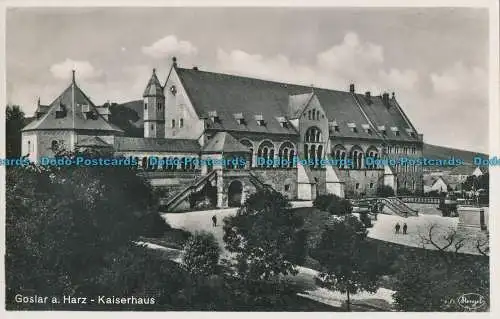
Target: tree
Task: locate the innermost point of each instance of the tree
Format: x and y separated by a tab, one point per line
14	122
68	221
385	191
342	254
333	204
201	254
265	236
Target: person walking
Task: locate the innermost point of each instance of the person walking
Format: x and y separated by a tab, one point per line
214	221
405	228
397	228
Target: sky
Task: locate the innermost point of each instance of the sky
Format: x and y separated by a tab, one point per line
434	59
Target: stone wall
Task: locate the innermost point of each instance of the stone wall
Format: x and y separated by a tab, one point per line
361	181
282	180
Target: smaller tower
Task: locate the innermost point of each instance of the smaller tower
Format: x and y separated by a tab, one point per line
154	108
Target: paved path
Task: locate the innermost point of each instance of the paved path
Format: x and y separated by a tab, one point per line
383	229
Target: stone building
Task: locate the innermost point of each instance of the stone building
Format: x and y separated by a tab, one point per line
203	115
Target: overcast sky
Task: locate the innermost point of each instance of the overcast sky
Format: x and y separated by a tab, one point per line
436	60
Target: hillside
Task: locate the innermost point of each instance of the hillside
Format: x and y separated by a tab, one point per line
441	152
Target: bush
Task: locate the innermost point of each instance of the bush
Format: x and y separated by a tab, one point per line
385	191
201	254
333	204
405	192
365	220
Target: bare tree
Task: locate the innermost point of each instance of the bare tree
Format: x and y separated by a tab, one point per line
448	244
483	244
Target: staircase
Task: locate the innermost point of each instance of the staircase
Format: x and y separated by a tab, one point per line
393	204
174	200
259	184
398	207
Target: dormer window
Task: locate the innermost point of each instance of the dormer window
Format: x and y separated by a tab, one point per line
62	111
395	129
239	118
367	129
410	132
283	122
352	126
85	108
213	116
260	119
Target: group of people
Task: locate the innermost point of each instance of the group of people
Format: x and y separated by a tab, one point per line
398	227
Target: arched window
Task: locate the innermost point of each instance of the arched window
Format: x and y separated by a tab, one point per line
286	152
313	135
54	145
356	157
29	146
266	152
249	145
164	166
183	164
372	152
319	152
309	114
144	163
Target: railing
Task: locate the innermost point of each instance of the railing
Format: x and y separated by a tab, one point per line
420	200
185	191
258	183
170	174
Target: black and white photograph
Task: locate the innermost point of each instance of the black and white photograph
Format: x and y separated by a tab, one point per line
249	158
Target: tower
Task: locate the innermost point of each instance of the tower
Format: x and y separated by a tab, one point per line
154	108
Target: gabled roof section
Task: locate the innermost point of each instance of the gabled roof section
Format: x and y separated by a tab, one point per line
91	141
297	104
70	107
223	142
154	87
388	113
141	144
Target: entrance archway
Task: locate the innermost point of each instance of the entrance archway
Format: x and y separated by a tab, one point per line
234	194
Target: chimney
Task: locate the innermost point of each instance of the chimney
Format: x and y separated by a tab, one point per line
368	95
195	68
385	98
393	95
174	61
351	88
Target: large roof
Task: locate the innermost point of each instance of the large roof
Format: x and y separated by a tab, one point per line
229	95
67	112
141	144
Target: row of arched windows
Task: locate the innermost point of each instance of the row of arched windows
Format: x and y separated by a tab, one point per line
166	163
396	149
314	115
356	155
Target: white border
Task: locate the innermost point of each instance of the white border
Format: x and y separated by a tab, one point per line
494	126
